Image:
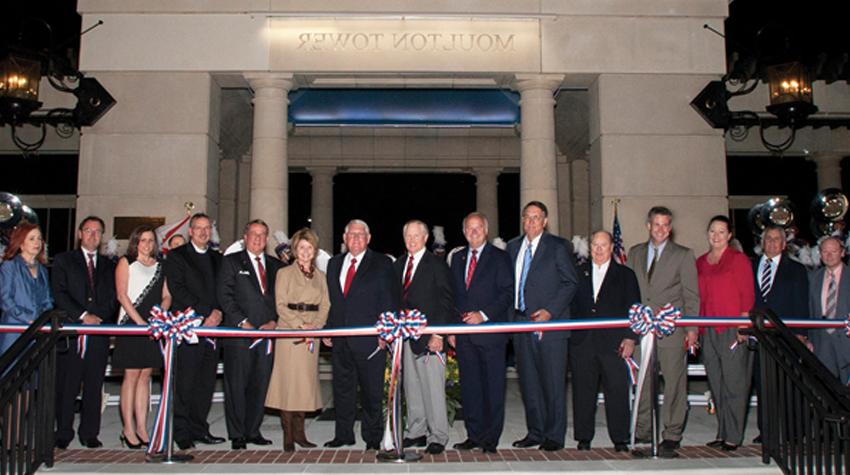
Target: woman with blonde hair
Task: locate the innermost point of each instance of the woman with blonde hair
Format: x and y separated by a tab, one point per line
302	297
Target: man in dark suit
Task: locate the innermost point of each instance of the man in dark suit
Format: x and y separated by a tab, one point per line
192	273
362	285
246	289
781	285
483	287
606	290
426	285
545	283
83	284
829	299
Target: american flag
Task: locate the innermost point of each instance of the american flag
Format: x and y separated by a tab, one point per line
619	249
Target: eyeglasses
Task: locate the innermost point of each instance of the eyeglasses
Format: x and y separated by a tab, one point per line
92	231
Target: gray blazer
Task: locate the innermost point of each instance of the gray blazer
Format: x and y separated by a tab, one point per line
816	287
674	281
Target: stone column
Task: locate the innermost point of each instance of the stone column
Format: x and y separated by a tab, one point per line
565	197
243	196
580	181
486	196
829	169
269	164
228	181
538	177
322	206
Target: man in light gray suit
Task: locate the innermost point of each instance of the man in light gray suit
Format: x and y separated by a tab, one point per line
829	298
667	273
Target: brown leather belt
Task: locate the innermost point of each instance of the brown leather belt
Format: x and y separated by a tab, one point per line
303	307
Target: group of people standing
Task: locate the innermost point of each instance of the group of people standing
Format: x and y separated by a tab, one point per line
535	279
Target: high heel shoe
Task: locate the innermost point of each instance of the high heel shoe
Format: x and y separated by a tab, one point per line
143	441
127	443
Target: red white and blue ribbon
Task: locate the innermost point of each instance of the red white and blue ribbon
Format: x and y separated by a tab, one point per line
847	326
171	329
82	345
634	368
257	341
394	328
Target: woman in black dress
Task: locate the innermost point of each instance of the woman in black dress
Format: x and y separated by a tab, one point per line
140	284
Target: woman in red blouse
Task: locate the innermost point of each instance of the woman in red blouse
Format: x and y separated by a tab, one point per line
726	290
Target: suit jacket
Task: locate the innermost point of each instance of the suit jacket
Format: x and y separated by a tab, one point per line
817	281
490	290
430	292
373	291
674	281
551	282
790	290
619	291
241	296
72	293
188	283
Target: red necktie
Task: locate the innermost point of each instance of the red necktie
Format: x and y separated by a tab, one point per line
408	274
349	276
262	272
472	264
90	268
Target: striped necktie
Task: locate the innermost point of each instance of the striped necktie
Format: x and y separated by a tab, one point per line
765	280
831	296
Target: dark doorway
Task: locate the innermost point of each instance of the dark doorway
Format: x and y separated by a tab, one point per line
387	200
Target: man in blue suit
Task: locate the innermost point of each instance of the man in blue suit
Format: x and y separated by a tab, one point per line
781	285
545	283
483	287
829	298
362	285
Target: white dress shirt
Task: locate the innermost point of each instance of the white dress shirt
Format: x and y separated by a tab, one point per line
599	272
346	263
417	258
519	263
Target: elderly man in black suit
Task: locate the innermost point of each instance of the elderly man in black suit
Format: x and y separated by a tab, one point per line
362	285
781	285
606	290
246	289
192	272
545	283
483	288
426	285
83	283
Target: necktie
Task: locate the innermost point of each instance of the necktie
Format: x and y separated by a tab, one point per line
764	281
526	264
90	269
408	274
831	297
262	271
471	270
349	276
654	251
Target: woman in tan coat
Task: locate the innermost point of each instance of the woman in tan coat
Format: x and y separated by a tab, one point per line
302	303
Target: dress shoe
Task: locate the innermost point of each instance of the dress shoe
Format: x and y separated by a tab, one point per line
727	447
621	447
61	444
143	440
238	444
126	443
550	446
465	445
583	445
757	439
668	444
716	444
372	446
335	443
210	439
185	444
414	442
525	442
435	448
259	440
489	450
91	443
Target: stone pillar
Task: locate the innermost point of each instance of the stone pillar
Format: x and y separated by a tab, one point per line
322	206
538	176
228	181
269	164
580	181
243	195
648	147
565	197
487	197
828	169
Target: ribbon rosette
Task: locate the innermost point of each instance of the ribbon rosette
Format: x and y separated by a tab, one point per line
847	325
177	326
642	321
406	324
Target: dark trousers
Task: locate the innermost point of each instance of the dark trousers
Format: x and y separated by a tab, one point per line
592	365
73	371
350	370
482	386
246	381
542	367
194	383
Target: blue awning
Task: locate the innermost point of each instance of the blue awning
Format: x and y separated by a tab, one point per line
404	107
